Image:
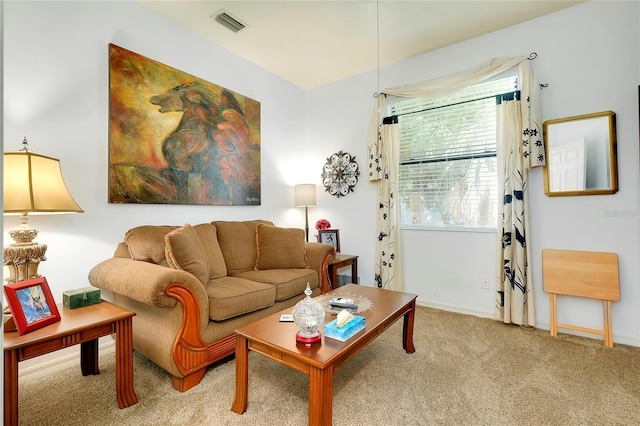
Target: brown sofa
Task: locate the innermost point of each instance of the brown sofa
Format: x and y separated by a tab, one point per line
192	286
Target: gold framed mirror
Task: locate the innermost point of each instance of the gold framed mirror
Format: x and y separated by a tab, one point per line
581	155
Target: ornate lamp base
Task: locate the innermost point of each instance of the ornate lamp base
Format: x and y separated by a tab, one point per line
308	341
23	260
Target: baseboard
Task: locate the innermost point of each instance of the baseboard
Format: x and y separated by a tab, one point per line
456	308
620	339
51	364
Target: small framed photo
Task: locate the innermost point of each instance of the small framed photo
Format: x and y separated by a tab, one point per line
31	304
330	236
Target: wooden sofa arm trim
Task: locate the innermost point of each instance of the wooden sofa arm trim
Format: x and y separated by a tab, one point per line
325	282
189	351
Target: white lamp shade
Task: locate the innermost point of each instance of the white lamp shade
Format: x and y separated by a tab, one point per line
33	183
305	195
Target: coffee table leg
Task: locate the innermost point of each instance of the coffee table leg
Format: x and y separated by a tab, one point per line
242	375
124	364
407	330
11	387
320	396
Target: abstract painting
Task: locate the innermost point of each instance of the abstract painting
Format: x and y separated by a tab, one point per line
177	139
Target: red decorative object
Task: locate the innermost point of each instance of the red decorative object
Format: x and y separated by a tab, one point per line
322	224
308	341
32	304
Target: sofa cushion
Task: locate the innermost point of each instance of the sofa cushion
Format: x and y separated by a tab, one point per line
287	282
238	244
232	296
209	239
146	243
184	251
280	248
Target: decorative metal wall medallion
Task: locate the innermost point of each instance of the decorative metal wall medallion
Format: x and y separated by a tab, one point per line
340	174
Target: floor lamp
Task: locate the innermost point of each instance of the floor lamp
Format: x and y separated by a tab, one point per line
305	196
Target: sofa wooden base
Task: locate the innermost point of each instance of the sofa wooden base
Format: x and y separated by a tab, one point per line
216	351
185	383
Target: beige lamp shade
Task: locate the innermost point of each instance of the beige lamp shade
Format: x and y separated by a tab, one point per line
33	183
305	195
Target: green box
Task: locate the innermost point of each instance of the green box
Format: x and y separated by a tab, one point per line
79	297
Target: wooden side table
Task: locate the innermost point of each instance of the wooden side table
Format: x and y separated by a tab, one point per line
340	261
77	326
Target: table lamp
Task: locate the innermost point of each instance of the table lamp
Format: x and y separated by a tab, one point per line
33	184
305	196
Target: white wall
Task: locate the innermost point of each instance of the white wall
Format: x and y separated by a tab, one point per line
590	57
56	93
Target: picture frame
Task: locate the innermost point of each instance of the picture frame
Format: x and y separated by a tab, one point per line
581	154
32	304
330	236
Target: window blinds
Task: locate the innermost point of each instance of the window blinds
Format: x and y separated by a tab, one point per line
448	174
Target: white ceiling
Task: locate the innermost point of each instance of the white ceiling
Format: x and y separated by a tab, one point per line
312	43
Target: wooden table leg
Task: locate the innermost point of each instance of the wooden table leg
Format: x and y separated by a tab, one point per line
334	277
320	396
608	326
124	364
10	388
553	329
407	330
354	271
242	375
89	357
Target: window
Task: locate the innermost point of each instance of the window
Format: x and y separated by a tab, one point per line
448	171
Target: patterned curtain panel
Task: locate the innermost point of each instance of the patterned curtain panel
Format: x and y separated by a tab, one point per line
514	301
384	170
520	147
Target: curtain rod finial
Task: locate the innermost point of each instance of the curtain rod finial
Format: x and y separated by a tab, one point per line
532	56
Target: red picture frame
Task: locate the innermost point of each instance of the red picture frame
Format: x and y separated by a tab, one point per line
32	304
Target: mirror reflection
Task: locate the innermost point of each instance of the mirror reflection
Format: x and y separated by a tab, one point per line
581	155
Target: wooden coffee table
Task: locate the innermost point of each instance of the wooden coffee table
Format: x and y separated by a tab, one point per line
276	340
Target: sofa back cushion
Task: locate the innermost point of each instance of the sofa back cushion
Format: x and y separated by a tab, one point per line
184	251
280	248
209	239
146	243
238	244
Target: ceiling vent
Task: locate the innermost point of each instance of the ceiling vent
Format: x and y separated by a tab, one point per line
223	18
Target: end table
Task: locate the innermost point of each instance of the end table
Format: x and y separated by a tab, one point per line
84	326
340	261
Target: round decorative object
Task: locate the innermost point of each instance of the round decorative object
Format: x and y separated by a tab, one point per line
308	315
363	303
340	174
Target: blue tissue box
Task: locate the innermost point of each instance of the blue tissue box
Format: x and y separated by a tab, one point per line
345	332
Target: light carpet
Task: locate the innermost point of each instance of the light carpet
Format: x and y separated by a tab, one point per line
465	371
